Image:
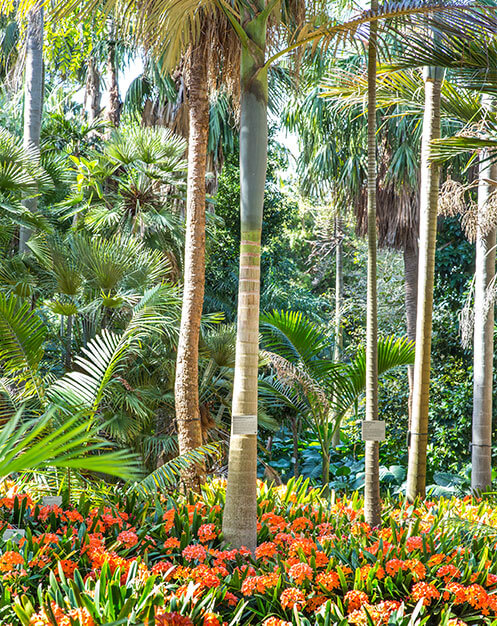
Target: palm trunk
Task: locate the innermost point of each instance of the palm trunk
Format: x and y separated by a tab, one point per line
113	113
93	93
186	386
481	461
240	513
430	175
335	440
372	503
33	99
294	425
411	301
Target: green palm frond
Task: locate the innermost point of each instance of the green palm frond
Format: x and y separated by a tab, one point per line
35	444
21	346
293	336
168	475
392	352
450	147
84	389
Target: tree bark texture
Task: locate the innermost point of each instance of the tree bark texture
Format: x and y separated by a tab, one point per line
483	342
429	189
240	513
372	502
33	99
113	112
411	302
188	418
335	440
93	92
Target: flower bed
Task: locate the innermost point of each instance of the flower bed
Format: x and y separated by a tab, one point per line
141	562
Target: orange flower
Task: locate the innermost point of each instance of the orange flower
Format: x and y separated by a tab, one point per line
354	599
292	597
127	538
328	580
211	619
171	543
266	550
194	552
275	621
172	619
448	572
207	532
425	591
9	560
301	572
414	543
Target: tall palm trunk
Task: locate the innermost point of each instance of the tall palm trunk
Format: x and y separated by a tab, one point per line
411	302
372	503
33	98
113	112
186	386
240	513
93	93
430	176
483	344
338	311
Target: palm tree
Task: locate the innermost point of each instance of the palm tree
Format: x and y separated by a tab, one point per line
250	25
372	502
33	96
429	188
307	379
483	343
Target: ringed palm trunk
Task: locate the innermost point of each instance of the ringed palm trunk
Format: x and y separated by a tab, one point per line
188	418
240	512
372	503
411	302
430	176
33	98
338	313
483	343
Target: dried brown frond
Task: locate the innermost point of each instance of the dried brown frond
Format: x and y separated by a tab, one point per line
451	199
296	377
467	319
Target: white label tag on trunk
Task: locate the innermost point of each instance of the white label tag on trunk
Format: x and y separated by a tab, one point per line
244	425
373	430
52	500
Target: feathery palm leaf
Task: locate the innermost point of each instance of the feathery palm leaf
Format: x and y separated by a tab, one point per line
21	347
35	444
168	475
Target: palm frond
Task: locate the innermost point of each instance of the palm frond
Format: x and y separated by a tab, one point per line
35	444
168	475
21	347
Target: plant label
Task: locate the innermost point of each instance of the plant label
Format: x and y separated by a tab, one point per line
14	534
373	430
52	500
244	425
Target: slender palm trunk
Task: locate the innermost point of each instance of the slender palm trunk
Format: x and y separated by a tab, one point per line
372	503
186	387
93	93
430	176
411	301
240	513
483	344
33	98
113	112
338	312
